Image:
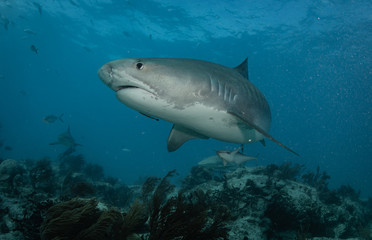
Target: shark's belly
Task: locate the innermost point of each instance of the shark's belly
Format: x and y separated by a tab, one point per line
214	123
202	119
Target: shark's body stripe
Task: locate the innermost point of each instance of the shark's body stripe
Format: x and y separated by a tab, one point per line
220	88
226	93
212	83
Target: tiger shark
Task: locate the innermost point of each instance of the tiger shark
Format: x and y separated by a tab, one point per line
202	99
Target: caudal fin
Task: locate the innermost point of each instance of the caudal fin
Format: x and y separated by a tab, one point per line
60	118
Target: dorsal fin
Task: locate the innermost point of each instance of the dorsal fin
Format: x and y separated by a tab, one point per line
243	68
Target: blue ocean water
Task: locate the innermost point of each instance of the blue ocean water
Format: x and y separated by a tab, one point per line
311	59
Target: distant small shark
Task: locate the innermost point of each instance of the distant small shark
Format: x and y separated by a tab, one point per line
66	139
234	157
202	99
34	49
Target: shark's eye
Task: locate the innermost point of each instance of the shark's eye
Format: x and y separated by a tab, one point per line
139	66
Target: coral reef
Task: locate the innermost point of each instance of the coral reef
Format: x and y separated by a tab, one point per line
87	219
197	176
94	171
180	218
11	176
42	176
185	215
64	199
70	162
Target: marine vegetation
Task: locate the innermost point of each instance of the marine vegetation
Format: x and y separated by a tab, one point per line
94	171
285	171
164	187
264	202
116	195
68	184
11	177
42	176
181	218
148	187
84	219
197	176
320	182
346	191
135	219
71	162
72	219
32	217
82	189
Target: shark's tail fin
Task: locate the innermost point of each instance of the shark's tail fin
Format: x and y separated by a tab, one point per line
60	117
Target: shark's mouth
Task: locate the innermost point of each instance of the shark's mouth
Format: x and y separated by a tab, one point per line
125	87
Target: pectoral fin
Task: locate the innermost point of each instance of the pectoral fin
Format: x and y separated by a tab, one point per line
179	135
260	130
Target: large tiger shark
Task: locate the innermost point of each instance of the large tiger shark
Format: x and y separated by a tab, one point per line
202	99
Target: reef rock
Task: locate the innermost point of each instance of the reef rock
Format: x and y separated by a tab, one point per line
9	169
265	204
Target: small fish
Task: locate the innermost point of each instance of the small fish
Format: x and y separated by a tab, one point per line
127	34
235	157
8	148
126	150
52	118
34	49
87	48
29	31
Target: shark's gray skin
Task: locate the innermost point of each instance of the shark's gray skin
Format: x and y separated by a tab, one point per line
234	157
202	99
211	162
66	139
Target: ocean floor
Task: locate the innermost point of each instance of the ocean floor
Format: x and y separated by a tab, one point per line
72	199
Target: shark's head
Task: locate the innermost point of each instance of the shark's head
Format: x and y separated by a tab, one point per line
153	86
126	75
132	82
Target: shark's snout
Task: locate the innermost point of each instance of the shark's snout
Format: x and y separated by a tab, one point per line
105	74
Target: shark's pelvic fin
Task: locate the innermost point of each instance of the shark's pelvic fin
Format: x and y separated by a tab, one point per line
179	135
243	68
260	130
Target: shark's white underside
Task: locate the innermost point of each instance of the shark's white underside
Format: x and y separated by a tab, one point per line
203	119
